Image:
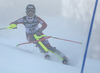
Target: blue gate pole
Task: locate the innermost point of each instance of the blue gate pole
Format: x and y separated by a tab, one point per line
89	35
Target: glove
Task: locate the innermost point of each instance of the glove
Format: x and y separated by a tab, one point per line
38	33
40	30
12	26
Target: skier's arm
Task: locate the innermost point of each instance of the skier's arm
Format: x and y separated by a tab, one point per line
13	24
19	21
44	25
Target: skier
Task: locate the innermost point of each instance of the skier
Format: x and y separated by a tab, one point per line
31	21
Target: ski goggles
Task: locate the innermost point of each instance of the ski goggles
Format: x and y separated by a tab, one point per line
30	10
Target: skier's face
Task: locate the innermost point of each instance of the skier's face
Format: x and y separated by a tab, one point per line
30	12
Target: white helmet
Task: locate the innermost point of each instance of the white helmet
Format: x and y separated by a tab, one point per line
30	10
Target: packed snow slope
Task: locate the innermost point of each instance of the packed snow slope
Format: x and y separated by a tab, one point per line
28	59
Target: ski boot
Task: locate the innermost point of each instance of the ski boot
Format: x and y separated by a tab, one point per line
47	56
65	61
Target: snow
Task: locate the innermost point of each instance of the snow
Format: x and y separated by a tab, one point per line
15	61
28	59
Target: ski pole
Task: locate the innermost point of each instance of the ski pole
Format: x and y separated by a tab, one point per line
3	28
12	26
65	40
47	38
34	41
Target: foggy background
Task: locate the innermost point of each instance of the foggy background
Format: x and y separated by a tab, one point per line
77	12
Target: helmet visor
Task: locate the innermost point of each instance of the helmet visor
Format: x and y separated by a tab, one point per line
30	12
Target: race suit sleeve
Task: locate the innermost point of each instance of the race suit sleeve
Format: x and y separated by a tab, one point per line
44	25
19	21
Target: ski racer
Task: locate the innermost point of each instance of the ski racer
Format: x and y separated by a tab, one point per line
31	22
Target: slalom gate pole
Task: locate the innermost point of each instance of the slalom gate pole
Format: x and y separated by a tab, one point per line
89	35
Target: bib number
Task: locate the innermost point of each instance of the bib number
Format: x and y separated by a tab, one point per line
31	29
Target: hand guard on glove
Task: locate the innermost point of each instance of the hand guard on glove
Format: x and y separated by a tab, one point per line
12	26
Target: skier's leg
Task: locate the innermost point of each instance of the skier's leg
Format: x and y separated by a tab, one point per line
59	54
55	51
40	48
47	47
30	38
46	53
